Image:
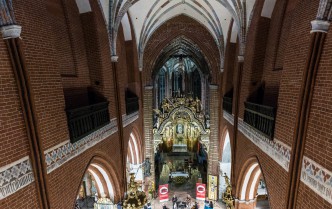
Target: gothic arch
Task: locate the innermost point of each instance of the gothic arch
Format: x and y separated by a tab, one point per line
104	174
134	148
247	184
225	163
135	156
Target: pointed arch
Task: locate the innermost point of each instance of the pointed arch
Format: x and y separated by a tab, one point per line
102	173
247	184
225	163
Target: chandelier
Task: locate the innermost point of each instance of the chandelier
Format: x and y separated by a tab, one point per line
135	199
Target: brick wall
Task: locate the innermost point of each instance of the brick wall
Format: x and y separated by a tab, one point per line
288	49
63	50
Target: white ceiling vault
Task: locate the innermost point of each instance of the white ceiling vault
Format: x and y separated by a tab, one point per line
147	16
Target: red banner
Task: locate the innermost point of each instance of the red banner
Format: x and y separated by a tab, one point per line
163	193
200	191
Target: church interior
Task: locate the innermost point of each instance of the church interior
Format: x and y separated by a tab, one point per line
165	104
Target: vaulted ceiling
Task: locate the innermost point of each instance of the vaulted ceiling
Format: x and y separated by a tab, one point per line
147	16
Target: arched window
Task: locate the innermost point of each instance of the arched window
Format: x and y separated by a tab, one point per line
162	86
196	84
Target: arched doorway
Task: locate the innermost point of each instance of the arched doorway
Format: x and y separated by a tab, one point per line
251	188
134	158
97	189
225	163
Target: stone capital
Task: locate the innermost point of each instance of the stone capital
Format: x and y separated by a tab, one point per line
240	58
114	58
319	26
213	86
149	87
11	31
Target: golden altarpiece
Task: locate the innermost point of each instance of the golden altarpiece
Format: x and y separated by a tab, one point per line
180	125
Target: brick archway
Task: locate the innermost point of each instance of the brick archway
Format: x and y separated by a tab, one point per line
105	179
247	185
225	156
135	156
134	153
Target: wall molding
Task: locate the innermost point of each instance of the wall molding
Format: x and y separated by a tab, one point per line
317	178
228	117
277	150
128	119
65	151
15	176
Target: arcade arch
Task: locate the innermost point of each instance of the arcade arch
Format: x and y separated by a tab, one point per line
225	162
98	185
251	187
134	157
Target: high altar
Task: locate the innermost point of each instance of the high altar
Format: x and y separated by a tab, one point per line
180	125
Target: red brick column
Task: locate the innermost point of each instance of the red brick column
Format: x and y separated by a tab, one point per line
318	34
236	98
245	204
119	120
214	128
11	34
148	135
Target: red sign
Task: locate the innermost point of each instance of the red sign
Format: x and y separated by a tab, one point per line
163	193
200	191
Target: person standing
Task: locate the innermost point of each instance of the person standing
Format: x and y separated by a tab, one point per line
175	201
188	201
211	205
196	205
119	205
206	203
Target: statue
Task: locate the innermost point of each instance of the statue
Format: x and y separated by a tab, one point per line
158	113
207	121
198	105
135	199
227	179
165	106
147	167
227	195
193	105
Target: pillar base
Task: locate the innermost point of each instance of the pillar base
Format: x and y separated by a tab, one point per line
242	204
11	31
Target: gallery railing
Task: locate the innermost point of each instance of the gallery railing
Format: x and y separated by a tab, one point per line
260	117
227	104
85	120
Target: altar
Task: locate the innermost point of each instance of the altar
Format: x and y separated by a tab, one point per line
179	148
177	174
180	126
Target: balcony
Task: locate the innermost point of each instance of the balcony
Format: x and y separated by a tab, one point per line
84	120
260	117
227	104
131	102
